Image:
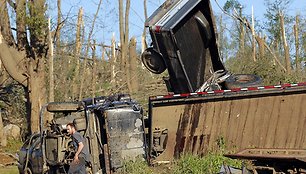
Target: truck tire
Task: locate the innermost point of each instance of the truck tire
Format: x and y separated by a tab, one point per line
64	106
153	61
242	81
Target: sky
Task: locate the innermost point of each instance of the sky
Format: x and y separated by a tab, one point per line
107	23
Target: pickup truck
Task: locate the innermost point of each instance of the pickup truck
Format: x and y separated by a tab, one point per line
264	124
112	126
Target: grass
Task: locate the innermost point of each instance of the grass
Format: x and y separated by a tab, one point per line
187	164
13	146
9	170
210	163
136	167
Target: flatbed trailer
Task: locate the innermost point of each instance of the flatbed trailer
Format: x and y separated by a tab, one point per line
270	117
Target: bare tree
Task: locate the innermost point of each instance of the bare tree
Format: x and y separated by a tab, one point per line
24	58
124	41
78	44
87	50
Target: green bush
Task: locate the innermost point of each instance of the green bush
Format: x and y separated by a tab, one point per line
13	146
136	167
210	163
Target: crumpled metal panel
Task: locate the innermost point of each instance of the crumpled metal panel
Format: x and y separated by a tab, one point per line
125	133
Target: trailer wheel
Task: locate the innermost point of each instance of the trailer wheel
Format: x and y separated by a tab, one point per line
242	81
64	106
153	61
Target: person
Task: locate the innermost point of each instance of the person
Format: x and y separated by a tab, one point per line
81	157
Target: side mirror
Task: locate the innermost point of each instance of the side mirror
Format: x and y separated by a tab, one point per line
153	61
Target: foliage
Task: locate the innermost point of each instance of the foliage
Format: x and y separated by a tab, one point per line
231	4
272	16
12	104
210	163
136	167
13	146
188	163
265	67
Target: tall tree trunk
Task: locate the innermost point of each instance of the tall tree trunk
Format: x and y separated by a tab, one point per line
297	43
133	63
59	26
286	47
241	36
144	33
51	69
122	38
113	62
253	37
126	44
77	52
261	40
94	70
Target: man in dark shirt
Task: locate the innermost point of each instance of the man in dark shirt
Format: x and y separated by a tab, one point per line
81	155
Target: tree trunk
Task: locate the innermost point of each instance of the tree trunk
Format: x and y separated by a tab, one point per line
126	44
253	37
59	26
3	139
37	94
261	45
297	44
23	63
133	63
113	62
5	26
286	47
51	69
241	36
78	45
94	70
144	33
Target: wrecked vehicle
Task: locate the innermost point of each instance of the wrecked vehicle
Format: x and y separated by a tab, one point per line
263	124
113	128
206	104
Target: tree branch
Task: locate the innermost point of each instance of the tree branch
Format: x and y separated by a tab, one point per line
8	57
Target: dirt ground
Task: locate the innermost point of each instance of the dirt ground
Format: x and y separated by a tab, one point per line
6	159
8	164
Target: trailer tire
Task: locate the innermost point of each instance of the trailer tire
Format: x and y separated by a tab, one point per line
64	106
242	81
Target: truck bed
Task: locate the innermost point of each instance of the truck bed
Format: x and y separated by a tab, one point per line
258	117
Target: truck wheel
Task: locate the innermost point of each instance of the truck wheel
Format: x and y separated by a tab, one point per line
242	81
64	106
153	61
